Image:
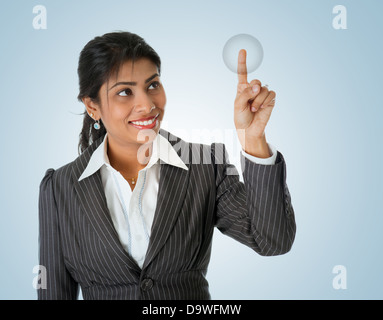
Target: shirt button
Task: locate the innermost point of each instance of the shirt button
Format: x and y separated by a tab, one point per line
147	284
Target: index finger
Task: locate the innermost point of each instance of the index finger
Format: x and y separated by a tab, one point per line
242	69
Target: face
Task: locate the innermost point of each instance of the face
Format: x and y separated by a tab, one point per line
132	104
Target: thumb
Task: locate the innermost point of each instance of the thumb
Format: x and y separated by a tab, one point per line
241	101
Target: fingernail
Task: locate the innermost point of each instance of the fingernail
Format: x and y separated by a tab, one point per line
253	109
255	88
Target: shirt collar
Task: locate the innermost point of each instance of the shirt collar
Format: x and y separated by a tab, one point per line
162	149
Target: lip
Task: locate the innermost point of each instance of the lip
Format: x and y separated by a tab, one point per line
149	126
143	119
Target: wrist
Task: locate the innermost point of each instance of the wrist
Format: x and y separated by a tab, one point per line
257	147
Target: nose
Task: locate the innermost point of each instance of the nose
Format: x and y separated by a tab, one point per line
143	104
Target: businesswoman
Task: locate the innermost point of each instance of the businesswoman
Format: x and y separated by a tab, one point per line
133	216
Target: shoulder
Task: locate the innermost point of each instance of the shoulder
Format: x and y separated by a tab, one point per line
197	153
72	170
53	176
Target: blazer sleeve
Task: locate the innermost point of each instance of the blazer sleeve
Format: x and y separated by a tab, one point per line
59	283
258	211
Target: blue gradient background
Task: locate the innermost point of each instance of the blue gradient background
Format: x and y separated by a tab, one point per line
326	123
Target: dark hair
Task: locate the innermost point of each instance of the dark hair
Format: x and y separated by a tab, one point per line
99	59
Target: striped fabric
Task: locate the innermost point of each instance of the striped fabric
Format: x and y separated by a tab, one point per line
80	247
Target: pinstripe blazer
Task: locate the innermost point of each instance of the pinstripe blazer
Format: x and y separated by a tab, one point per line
79	246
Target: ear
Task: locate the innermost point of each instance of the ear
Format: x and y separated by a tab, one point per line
92	108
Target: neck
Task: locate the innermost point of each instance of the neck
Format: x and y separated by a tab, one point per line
128	158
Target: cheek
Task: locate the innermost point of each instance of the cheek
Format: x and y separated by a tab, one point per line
161	101
118	110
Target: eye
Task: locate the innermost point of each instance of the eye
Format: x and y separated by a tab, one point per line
156	84
125	92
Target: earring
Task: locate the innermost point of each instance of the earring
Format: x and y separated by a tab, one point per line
97	125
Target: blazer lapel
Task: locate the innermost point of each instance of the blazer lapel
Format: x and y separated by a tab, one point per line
93	202
171	193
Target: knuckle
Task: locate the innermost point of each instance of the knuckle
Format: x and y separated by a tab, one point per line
265	89
256	103
255	81
250	90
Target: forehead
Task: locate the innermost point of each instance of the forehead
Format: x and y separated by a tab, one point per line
137	71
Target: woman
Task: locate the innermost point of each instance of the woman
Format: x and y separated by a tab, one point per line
133	216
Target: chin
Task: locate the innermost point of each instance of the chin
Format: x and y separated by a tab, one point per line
144	136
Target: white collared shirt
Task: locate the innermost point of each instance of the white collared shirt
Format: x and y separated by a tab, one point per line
132	212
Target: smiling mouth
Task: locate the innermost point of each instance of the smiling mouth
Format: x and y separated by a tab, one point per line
148	123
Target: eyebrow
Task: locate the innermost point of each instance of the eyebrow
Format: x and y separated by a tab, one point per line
133	83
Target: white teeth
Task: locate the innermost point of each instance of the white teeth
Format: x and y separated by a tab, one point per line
144	123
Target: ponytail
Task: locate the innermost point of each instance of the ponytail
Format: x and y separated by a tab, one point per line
88	133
